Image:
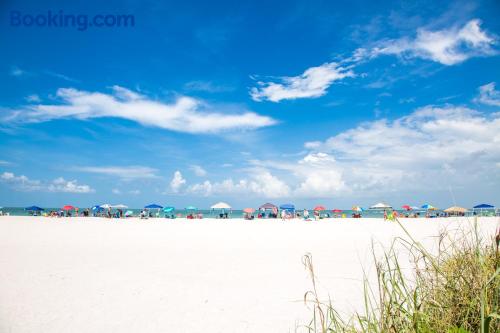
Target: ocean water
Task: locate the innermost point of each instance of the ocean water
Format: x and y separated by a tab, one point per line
19	211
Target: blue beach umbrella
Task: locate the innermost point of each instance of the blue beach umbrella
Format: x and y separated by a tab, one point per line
287	206
483	206
153	206
34	208
428	207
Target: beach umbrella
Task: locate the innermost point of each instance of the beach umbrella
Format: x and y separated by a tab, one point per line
168	209
456	209
68	207
33	208
153	206
97	208
429	207
357	209
287	206
381	205
483	206
319	208
406	207
248	210
191	208
221	205
336	210
268	205
414	208
119	206
129	213
105	206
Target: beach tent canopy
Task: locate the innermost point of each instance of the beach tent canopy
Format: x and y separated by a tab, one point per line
34	208
319	208
483	206
191	208
168	209
429	207
287	206
221	205
153	206
68	207
336	210
268	206
119	206
105	206
357	209
456	209
381	205
248	210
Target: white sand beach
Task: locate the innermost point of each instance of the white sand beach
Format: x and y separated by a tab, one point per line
157	275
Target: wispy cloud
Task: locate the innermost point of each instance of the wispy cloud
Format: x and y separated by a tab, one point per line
184	115
313	83
16	71
488	95
198	170
25	184
33	98
61	76
122	172
207	86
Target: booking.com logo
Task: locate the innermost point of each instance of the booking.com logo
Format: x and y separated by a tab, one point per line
79	21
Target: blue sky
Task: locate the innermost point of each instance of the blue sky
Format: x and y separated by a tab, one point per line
338	103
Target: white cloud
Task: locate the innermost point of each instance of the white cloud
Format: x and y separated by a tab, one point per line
177	182
314	82
260	183
448	46
68	186
2	162
198	170
116	191
184	115
432	146
23	183
134	192
122	172
488	95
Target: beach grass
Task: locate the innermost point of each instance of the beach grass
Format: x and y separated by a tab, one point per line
454	289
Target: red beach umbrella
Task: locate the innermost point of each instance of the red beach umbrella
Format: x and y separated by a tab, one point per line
319	208
406	207
248	210
68	207
337	210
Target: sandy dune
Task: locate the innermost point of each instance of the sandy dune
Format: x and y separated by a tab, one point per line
97	275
